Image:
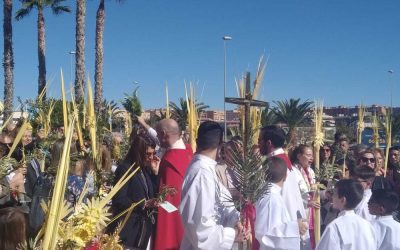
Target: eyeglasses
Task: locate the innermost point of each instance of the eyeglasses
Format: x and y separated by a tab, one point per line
326	149
366	159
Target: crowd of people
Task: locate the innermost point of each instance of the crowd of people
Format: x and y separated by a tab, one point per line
186	199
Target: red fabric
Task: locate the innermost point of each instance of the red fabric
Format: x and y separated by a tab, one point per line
286	159
169	227
249	216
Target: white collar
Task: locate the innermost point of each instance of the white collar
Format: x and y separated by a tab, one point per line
277	151
206	159
179	144
275	189
346	212
385	217
208	162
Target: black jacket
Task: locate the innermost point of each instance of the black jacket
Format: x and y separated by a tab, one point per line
138	228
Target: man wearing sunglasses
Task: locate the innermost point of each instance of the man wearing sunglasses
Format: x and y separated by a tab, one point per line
367	158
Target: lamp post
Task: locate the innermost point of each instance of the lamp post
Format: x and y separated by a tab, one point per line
391	72
72	53
225	38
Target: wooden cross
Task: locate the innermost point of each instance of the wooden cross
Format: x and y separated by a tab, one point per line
247	102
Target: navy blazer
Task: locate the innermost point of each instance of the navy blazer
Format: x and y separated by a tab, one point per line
139	226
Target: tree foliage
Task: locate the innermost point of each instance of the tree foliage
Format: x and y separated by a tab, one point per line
293	113
132	103
180	112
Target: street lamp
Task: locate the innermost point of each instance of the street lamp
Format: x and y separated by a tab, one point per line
391	72
225	38
72	53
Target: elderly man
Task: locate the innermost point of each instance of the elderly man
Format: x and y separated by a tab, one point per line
173	165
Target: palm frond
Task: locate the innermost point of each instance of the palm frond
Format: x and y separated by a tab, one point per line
60	9
250	173
268	117
132	103
23	12
179	112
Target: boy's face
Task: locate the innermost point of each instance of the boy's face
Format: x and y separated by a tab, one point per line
338	203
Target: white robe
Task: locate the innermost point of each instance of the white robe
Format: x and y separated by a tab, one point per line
273	228
207	213
362	207
292	196
290	191
387	232
348	231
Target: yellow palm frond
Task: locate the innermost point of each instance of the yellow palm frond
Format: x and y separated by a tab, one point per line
77	123
388	135
92	119
18	137
64	104
57	201
167	113
361	125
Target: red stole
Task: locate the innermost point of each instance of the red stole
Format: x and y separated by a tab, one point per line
286	159
169	227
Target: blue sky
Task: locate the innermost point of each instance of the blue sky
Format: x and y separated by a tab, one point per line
336	51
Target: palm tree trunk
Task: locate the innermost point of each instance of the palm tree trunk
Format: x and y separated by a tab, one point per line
8	62
98	73
41	52
292	139
80	50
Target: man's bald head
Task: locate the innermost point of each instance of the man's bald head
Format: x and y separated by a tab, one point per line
168	132
169	126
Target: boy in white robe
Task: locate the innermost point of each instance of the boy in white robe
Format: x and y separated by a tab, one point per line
348	231
210	221
274	228
365	175
382	204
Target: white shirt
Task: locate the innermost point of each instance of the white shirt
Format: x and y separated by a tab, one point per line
387	232
153	135
362	207
348	231
273	228
207	213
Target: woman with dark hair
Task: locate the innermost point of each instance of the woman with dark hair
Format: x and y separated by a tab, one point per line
137	230
12	228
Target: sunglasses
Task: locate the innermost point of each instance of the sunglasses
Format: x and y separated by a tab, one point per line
326	149
366	159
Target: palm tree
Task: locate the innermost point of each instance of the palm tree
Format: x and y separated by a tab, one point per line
98	71
40	5
292	113
268	117
180	113
8	61
80	50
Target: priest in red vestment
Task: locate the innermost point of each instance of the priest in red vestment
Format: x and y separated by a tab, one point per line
169	228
